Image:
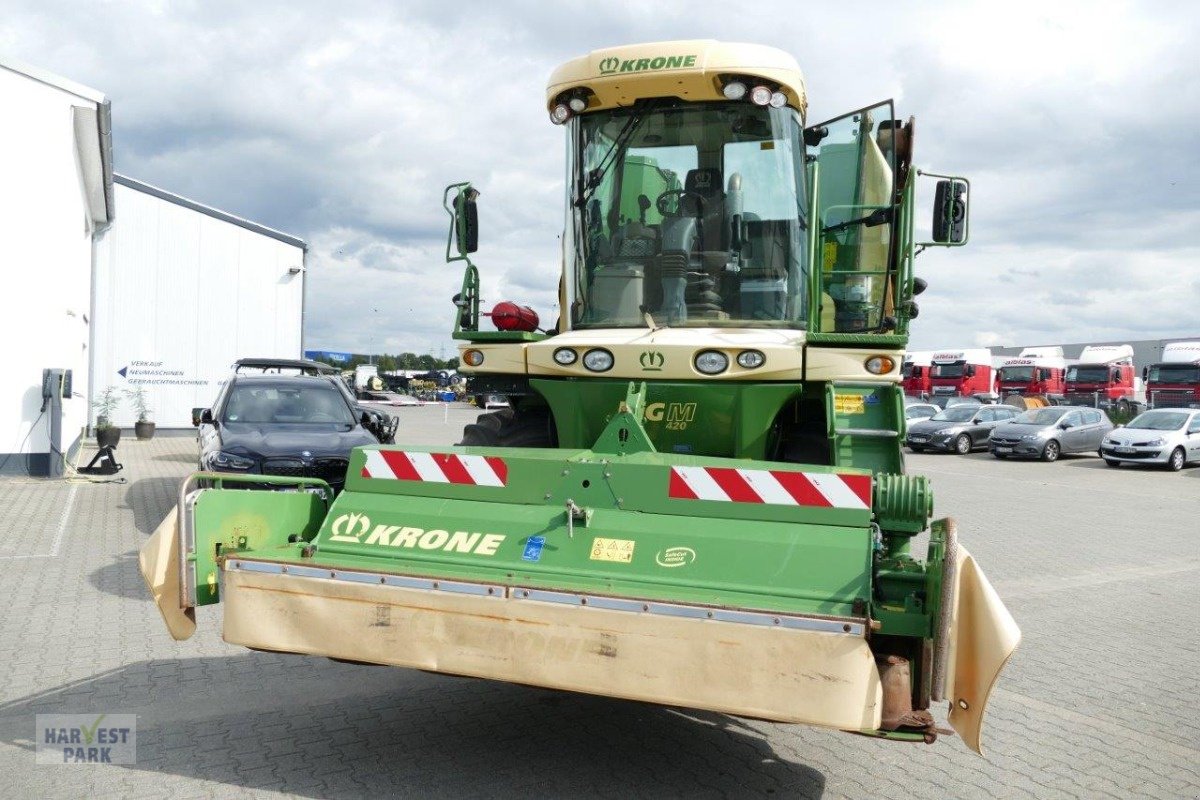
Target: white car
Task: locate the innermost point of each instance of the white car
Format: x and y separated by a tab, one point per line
1167	437
919	412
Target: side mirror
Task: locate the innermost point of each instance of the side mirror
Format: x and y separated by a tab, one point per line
950	212
1064	424
970	370
365	419
466	220
206	416
1145	373
197	414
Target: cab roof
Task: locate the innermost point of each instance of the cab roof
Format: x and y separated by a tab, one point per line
691	70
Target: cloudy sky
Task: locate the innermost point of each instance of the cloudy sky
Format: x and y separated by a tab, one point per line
1078	123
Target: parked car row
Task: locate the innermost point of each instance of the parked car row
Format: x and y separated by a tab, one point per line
1166	437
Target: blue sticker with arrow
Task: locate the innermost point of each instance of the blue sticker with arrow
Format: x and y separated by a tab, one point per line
533	548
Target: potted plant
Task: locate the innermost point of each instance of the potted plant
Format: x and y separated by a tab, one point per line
144	428
107	434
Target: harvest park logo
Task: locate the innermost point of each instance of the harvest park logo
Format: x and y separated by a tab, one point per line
613	64
350	528
86	738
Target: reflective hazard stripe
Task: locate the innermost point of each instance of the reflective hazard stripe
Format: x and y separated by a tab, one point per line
772	487
452	468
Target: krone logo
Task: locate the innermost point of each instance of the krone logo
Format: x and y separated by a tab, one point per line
350	528
651	361
609	64
675	557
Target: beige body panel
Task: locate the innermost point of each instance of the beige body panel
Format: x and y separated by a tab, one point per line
983	635
677	348
618	76
159	562
505	358
843	364
823	679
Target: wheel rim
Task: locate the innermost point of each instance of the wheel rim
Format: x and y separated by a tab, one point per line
1177	459
1051	451
963	444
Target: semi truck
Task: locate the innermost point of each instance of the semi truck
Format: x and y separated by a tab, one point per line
916	374
1103	377
962	373
697	496
1035	371
1174	382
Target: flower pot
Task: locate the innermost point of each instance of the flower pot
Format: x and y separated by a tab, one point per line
144	430
107	437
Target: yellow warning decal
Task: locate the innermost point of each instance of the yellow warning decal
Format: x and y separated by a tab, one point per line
612	550
848	404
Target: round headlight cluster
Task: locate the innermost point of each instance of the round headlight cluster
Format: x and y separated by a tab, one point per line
880	365
711	362
598	360
751	359
472	358
734	90
565	356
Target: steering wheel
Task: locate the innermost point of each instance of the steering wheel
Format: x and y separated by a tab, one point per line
665	197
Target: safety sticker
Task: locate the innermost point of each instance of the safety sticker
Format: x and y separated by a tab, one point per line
533	548
620	550
848	404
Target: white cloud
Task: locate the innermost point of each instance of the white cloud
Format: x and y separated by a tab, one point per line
1076	122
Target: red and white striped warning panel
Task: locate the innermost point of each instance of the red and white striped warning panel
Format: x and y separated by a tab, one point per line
436	468
773	487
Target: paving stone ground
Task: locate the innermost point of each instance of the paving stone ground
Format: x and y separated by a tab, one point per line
1101	567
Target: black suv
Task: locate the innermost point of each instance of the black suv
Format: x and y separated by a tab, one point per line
294	425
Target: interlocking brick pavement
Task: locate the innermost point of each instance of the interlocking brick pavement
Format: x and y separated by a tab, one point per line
1101	568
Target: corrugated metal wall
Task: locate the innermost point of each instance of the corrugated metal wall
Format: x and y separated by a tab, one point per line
179	296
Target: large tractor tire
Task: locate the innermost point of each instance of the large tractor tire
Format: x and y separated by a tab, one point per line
511	428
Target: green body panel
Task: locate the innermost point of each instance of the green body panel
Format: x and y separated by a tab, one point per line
228	521
498	336
711	418
865	422
773	566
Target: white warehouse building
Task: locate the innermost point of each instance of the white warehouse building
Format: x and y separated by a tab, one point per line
181	291
164	296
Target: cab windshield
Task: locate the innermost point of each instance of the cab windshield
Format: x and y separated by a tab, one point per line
954	370
1087	374
1017	374
688	215
1174	373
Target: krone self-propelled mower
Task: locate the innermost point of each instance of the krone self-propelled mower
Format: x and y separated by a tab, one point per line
697	496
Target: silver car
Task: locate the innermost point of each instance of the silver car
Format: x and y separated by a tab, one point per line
1047	433
1167	437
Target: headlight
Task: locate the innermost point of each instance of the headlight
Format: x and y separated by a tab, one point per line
712	362
1030	437
224	460
879	365
565	356
472	358
1159	442
734	90
598	360
751	359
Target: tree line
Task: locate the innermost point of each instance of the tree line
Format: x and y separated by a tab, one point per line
390	363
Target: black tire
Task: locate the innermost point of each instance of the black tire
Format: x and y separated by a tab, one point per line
1177	460
962	444
507	428
1112	463
1051	451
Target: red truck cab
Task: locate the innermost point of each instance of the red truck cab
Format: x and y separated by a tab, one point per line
961	372
1174	382
915	380
1035	371
1103	377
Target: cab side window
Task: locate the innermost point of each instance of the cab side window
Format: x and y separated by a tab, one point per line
1194	427
1091	417
1073	419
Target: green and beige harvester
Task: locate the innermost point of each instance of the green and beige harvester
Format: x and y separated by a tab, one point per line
697	497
